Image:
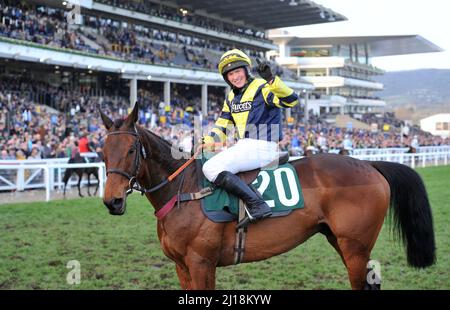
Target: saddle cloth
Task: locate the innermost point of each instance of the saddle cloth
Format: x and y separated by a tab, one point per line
279	187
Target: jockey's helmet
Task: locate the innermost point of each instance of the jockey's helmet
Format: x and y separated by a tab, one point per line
233	59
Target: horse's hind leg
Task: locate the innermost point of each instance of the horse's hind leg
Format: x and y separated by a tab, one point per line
367	286
333	241
356	256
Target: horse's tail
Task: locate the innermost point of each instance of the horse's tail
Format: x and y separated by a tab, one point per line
411	211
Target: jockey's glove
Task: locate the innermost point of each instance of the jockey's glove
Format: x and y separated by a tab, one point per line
208	143
263	69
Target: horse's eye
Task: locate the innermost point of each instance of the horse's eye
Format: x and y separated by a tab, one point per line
131	151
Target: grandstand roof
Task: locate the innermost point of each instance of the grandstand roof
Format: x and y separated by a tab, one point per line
264	14
378	45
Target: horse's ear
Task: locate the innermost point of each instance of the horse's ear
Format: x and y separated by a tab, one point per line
106	120
133	116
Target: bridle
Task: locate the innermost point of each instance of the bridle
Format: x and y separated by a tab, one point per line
132	178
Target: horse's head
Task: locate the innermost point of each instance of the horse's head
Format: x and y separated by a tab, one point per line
123	154
412	149
343	151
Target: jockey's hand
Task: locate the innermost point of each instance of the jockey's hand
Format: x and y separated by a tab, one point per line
264	70
208	143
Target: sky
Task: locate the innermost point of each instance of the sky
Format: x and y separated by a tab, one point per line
429	19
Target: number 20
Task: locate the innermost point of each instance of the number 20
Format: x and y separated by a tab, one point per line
279	186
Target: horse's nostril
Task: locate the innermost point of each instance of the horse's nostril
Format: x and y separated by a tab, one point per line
116	206
117	202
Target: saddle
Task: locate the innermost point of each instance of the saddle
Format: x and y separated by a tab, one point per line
249	176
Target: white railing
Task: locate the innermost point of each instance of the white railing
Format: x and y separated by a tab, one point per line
31	174
411	159
390	150
29	178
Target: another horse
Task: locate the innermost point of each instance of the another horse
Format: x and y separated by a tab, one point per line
80	171
411	150
343	151
345	199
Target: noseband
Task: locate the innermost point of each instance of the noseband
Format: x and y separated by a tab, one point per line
132	178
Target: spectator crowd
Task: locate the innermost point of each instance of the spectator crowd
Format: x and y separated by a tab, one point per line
30	131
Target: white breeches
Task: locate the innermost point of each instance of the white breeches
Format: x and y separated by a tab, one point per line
245	155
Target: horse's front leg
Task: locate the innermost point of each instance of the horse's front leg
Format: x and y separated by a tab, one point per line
98	182
202	272
80	176
184	277
89	183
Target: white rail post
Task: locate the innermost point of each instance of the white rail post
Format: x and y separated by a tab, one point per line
52	178
47	182
59	179
20	179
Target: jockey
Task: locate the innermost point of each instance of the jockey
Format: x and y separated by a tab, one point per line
253	107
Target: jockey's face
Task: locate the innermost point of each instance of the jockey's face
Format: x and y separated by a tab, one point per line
237	77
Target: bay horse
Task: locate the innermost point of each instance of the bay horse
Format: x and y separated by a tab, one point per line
344	198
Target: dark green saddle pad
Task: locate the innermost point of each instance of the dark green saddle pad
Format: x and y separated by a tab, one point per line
280	188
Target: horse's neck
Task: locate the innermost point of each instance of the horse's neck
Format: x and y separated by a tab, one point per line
160	164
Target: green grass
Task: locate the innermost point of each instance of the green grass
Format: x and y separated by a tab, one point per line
38	239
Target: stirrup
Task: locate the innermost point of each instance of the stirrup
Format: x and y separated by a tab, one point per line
243	223
247	220
249	216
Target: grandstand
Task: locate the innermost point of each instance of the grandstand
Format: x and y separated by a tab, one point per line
340	68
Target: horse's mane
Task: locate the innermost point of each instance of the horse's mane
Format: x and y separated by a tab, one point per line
162	148
158	137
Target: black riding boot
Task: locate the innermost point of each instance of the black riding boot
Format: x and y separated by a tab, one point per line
257	207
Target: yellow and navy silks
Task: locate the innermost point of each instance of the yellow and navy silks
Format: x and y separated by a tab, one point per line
258	103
